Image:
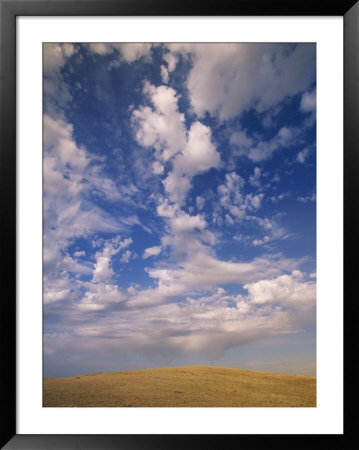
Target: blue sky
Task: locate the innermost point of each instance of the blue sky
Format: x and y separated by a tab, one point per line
179	206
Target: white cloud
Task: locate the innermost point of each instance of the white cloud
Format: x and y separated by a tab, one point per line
209	323
308	198
55	56
59	143
130	52
308	102
230	191
234	200
281	196
70	172
161	128
157	168
51	296
254	179
164	74
126	256
273	230
186	234
257	149
198	155
134	51
184	222
152	251
102	271
227	79
202	272
286	137
302	155
98	297
101	48
171	60
241	142
67	212
257	242
56	91
177	185
71	265
58	288
200	202
289	290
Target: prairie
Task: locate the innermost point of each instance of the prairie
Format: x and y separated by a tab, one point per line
193	386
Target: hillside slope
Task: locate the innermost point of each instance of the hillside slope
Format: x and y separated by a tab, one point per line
198	386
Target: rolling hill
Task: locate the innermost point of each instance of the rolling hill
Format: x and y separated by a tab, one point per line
193	386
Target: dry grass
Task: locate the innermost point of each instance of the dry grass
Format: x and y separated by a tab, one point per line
183	386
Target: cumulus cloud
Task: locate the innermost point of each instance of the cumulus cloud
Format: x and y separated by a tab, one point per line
201	271
210	323
72	265
186	234
234	200
308	102
161	128
152	251
55	56
284	289
132	52
288	290
230	191
302	155
58	141
129	52
254	179
102	271
198	155
127	255
171	60
58	288
227	79
99	297
102	48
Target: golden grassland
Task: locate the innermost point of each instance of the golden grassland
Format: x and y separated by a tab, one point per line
193	386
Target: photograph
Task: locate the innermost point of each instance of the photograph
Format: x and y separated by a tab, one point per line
179	224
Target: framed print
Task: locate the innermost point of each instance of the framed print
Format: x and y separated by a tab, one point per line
175	184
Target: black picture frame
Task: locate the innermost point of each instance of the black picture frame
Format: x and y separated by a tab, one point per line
9	10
